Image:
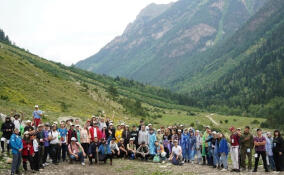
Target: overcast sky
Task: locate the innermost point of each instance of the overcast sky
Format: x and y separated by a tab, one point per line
67	31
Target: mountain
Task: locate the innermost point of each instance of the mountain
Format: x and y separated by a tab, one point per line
27	79
246	72
156	46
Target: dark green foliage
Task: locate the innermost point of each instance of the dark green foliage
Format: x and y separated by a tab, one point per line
113	92
226	121
4	97
256	122
221	122
4	38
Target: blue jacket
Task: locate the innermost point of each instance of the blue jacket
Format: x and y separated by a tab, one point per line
184	141
102	149
16	143
192	142
152	139
223	146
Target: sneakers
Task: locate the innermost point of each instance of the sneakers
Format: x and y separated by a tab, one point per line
83	163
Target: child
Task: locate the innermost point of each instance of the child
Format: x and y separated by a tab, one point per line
36	153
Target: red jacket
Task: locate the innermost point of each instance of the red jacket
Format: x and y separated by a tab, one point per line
28	148
99	133
71	134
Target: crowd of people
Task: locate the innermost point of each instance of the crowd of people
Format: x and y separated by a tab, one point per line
99	140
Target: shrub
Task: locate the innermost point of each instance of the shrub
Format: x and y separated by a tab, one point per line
234	120
4	97
192	124
226	121
256	122
220	121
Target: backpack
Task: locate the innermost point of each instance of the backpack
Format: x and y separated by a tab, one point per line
175	161
156	159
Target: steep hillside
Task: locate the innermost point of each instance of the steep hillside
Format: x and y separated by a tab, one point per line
155	48
26	80
246	72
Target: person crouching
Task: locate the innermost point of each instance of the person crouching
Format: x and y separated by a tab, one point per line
74	151
105	152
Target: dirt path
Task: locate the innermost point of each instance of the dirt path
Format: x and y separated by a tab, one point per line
129	167
212	120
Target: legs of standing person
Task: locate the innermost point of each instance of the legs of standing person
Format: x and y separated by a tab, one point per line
271	163
235	157
85	147
15	163
41	155
263	156
36	161
243	158
46	153
199	156
224	160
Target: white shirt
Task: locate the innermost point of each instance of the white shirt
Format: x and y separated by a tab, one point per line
35	145
176	150
17	124
113	146
54	135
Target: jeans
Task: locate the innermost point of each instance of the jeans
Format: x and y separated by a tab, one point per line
80	157
62	152
46	153
54	152
216	159
271	163
224	160
16	162
185	154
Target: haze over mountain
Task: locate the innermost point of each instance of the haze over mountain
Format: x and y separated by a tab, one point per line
161	46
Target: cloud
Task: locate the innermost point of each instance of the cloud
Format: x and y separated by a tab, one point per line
67	30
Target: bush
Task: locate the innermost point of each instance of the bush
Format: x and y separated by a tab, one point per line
264	125
4	97
234	120
226	121
220	121
192	124
256	122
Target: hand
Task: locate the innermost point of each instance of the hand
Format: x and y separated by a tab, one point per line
33	154
90	155
84	154
20	150
280	153
76	156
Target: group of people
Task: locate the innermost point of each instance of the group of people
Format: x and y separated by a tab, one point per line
99	140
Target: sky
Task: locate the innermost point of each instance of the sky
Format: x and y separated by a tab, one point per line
67	31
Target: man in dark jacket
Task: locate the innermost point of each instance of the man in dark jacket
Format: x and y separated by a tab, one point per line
71	133
93	151
7	129
134	134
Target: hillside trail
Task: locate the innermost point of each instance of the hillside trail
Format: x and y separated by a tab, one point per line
129	167
212	120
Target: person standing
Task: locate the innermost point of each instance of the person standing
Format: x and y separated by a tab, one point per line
234	140
152	140
198	146
54	144
185	145
28	151
7	129
143	136
246	142
95	131
134	134
269	152
223	151
37	114
40	138
259	142
85	138
278	151
63	140
46	144
18	120
71	133
17	145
